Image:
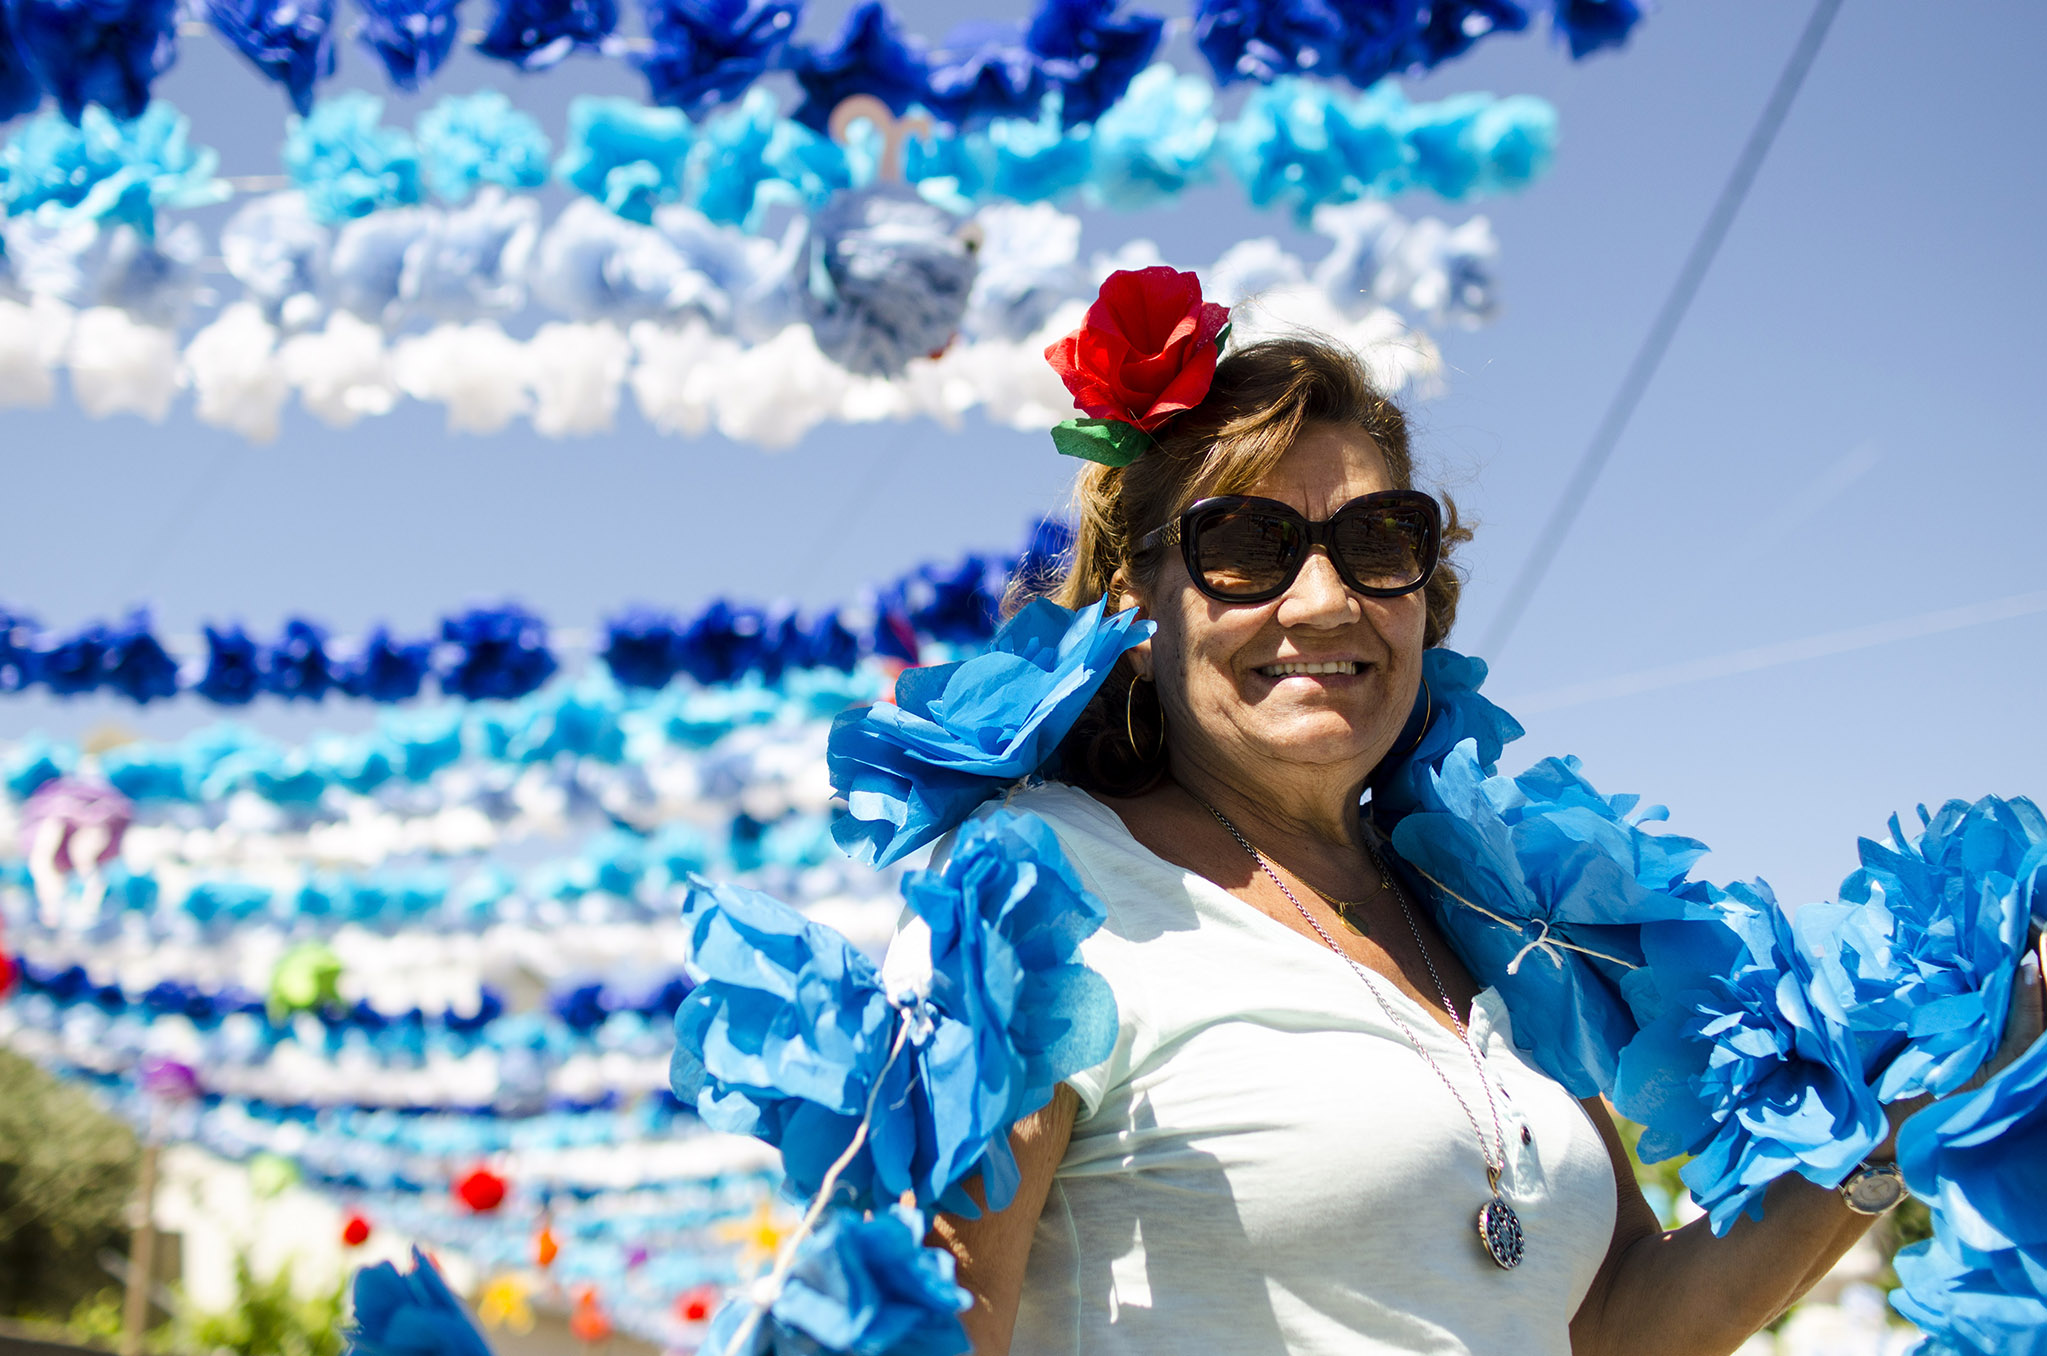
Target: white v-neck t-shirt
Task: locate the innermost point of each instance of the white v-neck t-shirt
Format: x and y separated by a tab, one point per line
1266	1167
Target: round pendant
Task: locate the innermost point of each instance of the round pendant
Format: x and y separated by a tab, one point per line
1499	1228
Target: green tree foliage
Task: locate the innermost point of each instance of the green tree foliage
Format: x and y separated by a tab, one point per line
67	1174
269	1319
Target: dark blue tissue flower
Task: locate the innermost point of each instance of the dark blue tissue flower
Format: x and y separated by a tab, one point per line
1452	26
234	674
708	52
105	52
581	1008
410	1314
1090	53
290	41
1261	40
536	34
642	647
857	1285
1378	37
1593	25
958	605
19	657
20	90
722	644
411	37
829	644
296	667
387	670
503	653
75	665
956	734
137	666
1045	556
985	70
870	56
781	647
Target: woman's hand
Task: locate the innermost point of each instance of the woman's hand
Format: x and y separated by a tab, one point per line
2022	1026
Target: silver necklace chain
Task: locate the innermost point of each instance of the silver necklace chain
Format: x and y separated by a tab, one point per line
1494	1167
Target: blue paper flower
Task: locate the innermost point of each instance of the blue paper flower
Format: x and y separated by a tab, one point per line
467	140
708	52
410	1313
1452	26
106	170
503	653
347	165
1592	25
752	158
20	90
33	761
234	674
411	37
1262	40
1447	712
105	52
641	647
1038	161
957	734
1155	143
1090	53
1736	1066
296	667
290	41
1516	139
871	55
1290	146
387	670
1977	1159
137	666
1969	1304
625	155
860	1286
1006	917
72	666
536	34
1917	959
18	651
959	604
1378	38
1547	864
984	69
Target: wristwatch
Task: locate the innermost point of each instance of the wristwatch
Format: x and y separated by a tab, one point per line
1874	1188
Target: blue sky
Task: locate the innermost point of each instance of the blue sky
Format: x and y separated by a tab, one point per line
1806	595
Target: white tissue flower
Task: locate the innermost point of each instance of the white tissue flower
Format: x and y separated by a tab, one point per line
478	371
32	342
675	378
577	373
119	366
238	381
342	372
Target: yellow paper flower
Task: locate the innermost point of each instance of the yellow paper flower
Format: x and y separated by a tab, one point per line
759	1236
503	1304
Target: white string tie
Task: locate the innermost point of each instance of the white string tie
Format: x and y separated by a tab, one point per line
1544	941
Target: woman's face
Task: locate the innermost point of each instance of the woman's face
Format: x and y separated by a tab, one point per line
1231	704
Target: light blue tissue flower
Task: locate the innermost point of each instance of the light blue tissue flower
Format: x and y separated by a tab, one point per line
1517	142
345	163
1156	142
1288	147
1918	957
1006	916
1038	160
751	159
1969	1304
863	1287
106	170
1559	863
469	140
957	734
1979	1161
410	1313
1448	711
625	155
1735	1065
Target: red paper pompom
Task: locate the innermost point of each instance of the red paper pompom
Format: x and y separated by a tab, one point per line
480	1190
355	1230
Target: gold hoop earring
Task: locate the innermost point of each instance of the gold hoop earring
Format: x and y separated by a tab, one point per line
1130	724
1428	714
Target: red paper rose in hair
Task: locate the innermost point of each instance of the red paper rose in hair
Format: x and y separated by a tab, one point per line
1147	352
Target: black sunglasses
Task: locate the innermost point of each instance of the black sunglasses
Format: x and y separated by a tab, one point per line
1245	550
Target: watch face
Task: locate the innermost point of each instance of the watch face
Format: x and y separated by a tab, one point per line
1876	1191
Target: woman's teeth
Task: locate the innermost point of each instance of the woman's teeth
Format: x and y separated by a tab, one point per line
1345	666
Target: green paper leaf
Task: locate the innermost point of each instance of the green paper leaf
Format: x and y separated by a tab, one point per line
1222	336
1108	441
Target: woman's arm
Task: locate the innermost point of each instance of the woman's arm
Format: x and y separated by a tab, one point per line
1684	1292
991	1251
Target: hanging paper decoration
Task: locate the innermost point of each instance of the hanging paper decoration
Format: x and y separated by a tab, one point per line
889	280
1091	53
411	37
290	41
20	90
346	164
536	34
467	141
702	53
105	52
355	1230
101	168
480	1190
870	55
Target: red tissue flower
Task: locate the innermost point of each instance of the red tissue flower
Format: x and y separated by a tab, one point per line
695	1306
355	1230
1147	351
481	1190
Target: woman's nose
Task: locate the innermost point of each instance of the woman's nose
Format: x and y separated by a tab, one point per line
1317	596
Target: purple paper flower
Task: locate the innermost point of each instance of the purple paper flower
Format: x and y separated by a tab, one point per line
1090	53
707	52
105	52
411	37
290	41
870	56
233	675
167	1079
75	803
296	667
536	34
503	653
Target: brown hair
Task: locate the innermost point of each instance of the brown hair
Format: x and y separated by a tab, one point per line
1263	395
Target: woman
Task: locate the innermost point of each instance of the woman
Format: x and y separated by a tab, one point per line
1289	1146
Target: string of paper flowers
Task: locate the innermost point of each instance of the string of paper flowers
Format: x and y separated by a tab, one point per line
1079	54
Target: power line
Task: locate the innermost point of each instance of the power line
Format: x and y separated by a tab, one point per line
1657	342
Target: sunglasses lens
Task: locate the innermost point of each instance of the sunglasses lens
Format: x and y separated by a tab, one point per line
1385	547
1246	553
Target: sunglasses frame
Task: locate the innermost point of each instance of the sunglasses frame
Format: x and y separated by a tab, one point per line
1184	531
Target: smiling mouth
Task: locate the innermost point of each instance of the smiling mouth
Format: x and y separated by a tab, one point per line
1324	668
